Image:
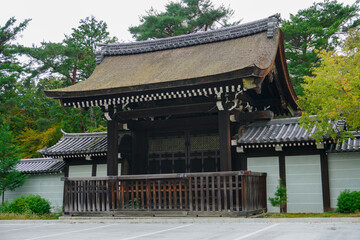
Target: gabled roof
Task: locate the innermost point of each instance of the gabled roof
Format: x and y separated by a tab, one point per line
184	66
40	165
79	145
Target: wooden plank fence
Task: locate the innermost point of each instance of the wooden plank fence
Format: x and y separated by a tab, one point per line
195	192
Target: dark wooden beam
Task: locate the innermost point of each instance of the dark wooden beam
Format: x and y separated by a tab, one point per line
267	102
288	151
66	169
325	180
93	169
282	173
112	151
243	162
191	123
165	111
252	116
225	145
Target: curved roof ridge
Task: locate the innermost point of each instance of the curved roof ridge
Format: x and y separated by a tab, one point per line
276	121
268	24
91	134
38	159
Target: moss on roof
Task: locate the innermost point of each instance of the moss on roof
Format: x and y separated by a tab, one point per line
255	52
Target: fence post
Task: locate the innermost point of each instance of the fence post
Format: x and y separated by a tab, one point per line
244	192
263	202
65	196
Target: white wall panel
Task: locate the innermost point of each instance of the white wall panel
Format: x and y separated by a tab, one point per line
101	170
270	165
344	173
303	183
47	186
80	170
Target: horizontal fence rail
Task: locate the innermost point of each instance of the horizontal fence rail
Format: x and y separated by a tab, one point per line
194	192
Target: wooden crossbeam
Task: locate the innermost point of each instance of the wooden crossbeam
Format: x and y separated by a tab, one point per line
252	116
165	111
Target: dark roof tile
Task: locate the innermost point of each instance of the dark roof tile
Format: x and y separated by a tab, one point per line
275	131
288	130
78	145
40	165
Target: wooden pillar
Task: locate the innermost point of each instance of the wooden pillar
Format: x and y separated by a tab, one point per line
325	180
93	170
112	151
282	172
243	162
66	169
225	145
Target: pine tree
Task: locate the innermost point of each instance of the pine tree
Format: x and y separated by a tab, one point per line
10	178
313	29
182	17
280	198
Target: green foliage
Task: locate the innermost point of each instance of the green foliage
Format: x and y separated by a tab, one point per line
312	29
29	203
134	204
4	207
32	141
74	57
10	68
280	197
334	92
10	178
182	17
348	202
34	119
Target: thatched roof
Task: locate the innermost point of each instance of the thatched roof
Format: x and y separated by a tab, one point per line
241	51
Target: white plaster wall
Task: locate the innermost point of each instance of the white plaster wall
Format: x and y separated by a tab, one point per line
47	186
101	170
344	173
303	183
270	165
80	171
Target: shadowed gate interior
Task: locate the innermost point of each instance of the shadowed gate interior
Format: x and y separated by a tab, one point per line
186	151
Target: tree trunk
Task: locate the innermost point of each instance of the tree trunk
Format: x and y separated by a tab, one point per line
3	197
73	79
92	118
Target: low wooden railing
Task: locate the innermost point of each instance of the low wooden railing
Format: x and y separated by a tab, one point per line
194	192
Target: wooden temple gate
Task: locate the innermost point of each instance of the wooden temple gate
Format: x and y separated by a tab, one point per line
185	101
196	193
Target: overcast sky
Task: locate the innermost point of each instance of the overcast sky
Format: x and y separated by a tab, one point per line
52	19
